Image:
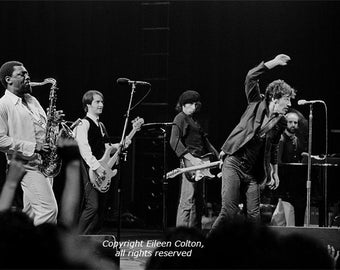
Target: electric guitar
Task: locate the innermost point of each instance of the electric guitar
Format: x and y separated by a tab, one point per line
102	184
196	173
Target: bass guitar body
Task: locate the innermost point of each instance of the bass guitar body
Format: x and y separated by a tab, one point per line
102	184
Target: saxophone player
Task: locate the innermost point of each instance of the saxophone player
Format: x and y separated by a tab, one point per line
22	130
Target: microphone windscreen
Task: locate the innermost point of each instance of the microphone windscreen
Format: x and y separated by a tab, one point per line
301	102
123	81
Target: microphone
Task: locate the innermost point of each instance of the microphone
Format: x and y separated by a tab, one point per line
127	81
158	125
304	102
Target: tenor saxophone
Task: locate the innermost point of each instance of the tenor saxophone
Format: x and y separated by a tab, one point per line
51	162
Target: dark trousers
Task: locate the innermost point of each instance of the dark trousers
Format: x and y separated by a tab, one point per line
293	190
299	203
93	208
237	187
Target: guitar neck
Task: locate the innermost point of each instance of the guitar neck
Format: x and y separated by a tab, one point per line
129	137
131	134
200	167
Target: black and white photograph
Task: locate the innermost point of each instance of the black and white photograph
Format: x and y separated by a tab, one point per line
171	134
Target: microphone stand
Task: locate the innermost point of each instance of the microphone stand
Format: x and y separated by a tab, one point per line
309	164
122	156
325	171
165	182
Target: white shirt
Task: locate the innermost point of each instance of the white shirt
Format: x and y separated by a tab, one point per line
81	132
21	127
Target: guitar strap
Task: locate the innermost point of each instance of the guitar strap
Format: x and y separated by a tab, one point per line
210	147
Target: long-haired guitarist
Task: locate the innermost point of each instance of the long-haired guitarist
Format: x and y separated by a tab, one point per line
189	142
92	139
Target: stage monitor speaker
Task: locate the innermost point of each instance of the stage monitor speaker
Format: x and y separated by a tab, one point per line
102	246
326	235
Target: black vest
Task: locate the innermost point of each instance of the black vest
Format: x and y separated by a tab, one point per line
96	139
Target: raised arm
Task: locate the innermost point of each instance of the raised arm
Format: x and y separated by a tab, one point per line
252	88
279	60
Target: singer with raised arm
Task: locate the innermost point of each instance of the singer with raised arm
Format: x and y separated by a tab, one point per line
23	131
190	143
250	151
93	140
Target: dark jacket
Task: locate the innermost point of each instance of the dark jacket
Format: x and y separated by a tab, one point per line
252	119
187	136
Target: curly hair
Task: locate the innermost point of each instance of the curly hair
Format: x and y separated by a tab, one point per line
278	89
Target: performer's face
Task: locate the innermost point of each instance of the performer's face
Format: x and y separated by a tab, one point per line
282	105
19	81
96	106
292	122
189	108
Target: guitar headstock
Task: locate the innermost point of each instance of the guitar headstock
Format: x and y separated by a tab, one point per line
137	123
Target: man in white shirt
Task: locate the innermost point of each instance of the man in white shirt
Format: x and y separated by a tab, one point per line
22	130
91	137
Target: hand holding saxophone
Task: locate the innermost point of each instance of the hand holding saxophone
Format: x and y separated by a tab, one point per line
42	147
57	115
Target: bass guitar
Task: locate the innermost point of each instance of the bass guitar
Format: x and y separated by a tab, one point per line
196	173
102	184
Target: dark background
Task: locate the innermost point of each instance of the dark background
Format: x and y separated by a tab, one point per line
207	46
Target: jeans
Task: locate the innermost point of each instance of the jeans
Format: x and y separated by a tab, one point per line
190	207
238	185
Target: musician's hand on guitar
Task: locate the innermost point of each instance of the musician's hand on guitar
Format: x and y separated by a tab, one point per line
220	157
127	142
100	172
